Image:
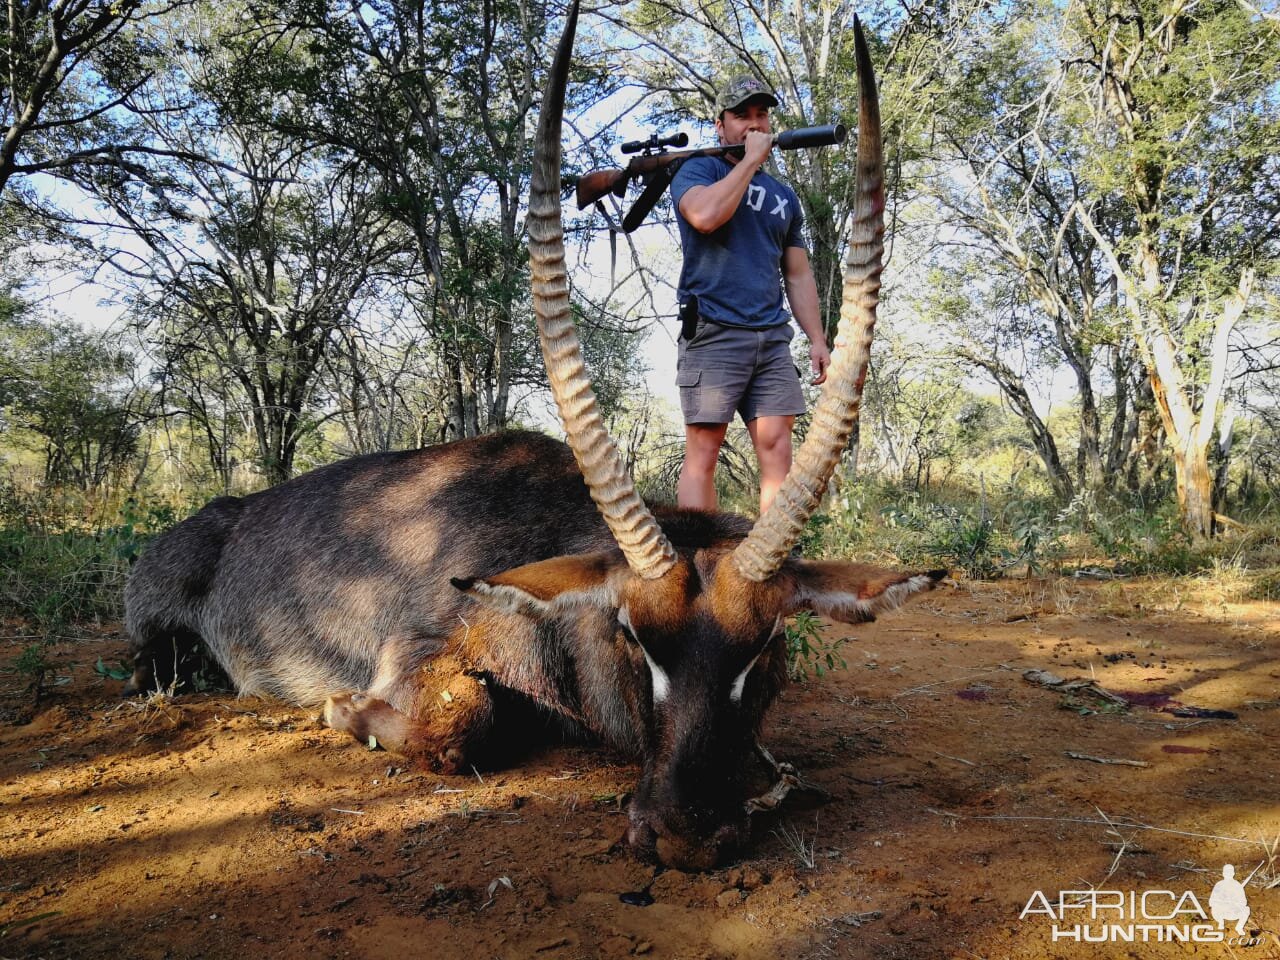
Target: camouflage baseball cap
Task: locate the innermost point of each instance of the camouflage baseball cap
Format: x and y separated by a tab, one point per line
738	90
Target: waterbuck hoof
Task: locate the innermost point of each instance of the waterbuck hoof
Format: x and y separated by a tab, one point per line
142	680
342	711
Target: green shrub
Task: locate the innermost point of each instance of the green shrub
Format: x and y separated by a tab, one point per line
964	540
55	569
1035	536
1265	586
956	529
808	650
1137	539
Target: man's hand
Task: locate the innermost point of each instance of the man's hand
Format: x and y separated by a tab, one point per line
757	147
819	360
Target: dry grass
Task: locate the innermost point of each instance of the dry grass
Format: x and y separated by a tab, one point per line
804	850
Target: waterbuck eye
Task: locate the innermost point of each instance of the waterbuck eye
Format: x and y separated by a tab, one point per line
661	682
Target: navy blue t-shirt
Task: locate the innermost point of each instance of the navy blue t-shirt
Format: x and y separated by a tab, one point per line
736	271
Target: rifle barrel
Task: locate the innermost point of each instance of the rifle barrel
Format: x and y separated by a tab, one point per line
826	136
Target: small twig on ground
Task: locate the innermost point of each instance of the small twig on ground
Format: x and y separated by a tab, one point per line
1124	763
956	759
493	890
1125	844
940	683
27	921
858	919
1270	876
1098	823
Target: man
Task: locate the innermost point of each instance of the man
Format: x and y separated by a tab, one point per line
740	234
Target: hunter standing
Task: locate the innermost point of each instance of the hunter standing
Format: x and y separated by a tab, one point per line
740	232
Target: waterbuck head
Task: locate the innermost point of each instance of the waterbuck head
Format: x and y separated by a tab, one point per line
702	622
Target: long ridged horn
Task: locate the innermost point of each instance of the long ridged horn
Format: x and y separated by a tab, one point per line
760	555
643	543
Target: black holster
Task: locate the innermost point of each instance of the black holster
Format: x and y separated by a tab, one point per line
689	318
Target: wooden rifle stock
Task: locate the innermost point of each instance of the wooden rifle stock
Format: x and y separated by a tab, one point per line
594	185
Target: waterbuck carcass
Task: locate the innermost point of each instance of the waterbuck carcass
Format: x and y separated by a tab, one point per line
448	603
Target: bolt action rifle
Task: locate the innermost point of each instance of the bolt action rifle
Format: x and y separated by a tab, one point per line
656	168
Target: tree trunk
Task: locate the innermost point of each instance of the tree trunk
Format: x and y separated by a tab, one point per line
1226	434
1195	489
1089	473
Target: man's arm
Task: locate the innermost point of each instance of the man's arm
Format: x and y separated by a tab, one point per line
709	206
802	296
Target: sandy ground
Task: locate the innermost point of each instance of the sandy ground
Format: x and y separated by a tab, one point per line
210	826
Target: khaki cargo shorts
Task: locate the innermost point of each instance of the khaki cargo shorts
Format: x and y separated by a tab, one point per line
727	370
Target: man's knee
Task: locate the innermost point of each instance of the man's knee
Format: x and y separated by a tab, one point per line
777	447
771	437
702	445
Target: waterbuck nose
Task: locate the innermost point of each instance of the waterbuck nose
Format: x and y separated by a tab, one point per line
685	850
683	855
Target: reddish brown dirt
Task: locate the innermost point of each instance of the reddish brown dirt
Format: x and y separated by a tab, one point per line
216	827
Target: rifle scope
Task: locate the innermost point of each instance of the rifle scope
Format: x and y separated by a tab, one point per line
656	142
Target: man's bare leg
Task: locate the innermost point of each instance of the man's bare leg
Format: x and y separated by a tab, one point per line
697	487
771	437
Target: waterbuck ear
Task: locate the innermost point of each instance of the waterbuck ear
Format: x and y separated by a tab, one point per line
854	592
548	587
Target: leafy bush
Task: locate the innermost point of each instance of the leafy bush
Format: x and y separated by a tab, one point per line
989	535
885	523
1266	586
881	522
1137	539
808	650
1035	535
55	570
965	540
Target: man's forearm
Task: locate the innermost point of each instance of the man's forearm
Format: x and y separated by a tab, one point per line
802	297
711	206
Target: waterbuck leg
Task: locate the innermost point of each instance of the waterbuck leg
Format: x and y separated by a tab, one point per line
445	738
172	660
788	780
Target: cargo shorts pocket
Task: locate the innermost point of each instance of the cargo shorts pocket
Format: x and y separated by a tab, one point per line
688	380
